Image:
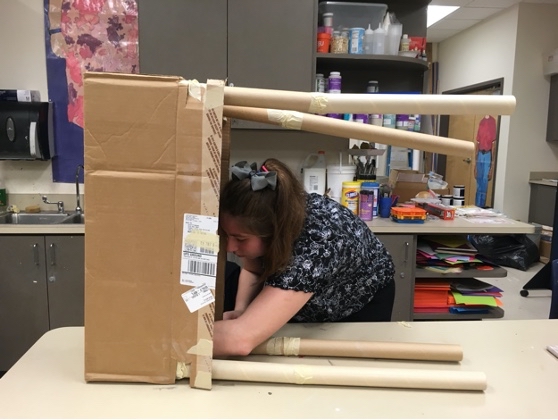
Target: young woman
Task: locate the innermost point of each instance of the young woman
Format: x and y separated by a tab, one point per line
305	258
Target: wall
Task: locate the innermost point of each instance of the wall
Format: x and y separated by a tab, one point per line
510	45
24	67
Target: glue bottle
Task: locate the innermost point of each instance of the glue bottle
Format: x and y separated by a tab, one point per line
369	41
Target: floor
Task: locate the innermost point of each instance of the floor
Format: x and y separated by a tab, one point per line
535	306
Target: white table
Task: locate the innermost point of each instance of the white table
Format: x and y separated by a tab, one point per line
522	379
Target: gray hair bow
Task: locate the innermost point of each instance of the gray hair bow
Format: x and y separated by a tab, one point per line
258	180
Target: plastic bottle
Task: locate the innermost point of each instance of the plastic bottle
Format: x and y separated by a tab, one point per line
369	41
405	43
315	175
379	41
334	86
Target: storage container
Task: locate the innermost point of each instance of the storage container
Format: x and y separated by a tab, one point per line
352	14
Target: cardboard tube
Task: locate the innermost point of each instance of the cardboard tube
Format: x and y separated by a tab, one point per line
289	346
340	128
232	370
364	103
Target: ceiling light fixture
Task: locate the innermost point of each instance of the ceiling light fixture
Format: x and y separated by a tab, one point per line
436	13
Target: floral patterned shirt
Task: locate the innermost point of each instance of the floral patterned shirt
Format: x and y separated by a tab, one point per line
338	259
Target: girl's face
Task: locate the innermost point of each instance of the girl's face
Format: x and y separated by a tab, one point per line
240	242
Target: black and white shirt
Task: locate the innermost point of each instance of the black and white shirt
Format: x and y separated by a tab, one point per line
338	259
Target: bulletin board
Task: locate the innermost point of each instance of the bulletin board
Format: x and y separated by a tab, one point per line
83	35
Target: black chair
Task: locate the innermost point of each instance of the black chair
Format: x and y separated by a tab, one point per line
554	299
547	277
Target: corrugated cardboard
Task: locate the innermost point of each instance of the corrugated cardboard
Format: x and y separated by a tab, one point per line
408	183
153	153
544	250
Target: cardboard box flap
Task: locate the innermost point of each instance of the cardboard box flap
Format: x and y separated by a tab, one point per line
152	154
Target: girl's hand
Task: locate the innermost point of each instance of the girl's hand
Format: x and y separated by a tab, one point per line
231	315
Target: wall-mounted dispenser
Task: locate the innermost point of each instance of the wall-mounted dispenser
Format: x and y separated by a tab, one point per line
26	131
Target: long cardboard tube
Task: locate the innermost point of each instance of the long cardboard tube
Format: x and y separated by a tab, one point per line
334	127
292	346
362	103
287	373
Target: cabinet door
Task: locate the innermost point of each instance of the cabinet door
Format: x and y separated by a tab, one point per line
271	45
402	249
23	296
65	280
185	38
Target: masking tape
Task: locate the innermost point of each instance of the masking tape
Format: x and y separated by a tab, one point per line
302	374
203	380
283	346
318	103
204	347
194	88
287	119
182	370
291	346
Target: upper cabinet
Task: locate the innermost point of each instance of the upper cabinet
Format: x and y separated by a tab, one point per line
250	43
266	44
185	38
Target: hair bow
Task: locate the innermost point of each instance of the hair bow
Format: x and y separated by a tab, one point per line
258	180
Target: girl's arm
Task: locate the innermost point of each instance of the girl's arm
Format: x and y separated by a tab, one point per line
269	311
249	284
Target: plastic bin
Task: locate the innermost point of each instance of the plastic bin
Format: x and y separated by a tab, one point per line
352	14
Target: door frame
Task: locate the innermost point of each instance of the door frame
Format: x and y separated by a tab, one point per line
495	84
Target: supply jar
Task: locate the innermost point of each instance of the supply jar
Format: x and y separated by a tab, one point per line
350	195
368	200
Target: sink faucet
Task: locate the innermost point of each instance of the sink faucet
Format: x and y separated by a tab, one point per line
79	210
60	204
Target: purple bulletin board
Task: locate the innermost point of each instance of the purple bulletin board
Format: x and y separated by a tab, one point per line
83	35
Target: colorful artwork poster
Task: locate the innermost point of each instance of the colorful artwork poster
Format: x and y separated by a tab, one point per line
83	35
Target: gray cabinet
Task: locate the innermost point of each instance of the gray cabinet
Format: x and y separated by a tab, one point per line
41	288
251	43
185	38
552	121
402	248
541	204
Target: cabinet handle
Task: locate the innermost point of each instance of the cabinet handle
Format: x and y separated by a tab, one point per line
52	254
36	254
406	251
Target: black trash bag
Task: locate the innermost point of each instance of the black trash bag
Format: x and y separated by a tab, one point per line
516	251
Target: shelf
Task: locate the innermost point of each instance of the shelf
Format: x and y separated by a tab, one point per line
492	313
421	273
365	61
367	152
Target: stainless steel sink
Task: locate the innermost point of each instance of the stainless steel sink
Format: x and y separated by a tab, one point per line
78	218
42	218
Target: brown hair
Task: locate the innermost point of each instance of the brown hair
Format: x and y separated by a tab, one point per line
277	216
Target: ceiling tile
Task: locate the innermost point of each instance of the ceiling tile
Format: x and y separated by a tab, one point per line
455	24
473	13
493	3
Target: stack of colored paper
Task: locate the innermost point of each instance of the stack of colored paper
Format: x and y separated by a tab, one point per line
474	296
432	295
461	296
447	254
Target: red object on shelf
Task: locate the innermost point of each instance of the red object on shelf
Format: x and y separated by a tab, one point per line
324	40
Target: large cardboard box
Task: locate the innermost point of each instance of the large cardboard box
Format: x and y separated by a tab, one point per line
407	183
154	152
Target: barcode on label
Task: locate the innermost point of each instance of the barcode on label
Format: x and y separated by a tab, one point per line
201	267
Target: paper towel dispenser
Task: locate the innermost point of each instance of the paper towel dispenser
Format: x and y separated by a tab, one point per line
26	131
